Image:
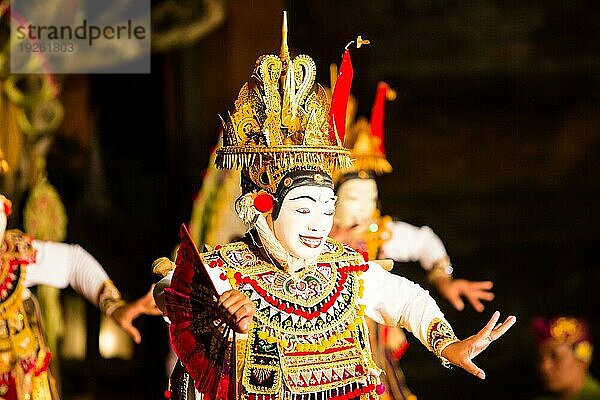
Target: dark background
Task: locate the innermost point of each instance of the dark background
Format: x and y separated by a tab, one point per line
494	140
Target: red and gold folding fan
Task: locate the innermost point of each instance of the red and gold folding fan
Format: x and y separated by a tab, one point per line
200	338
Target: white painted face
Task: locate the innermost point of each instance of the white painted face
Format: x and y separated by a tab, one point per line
305	219
357	201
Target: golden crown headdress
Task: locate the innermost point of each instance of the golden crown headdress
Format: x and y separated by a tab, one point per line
283	121
365	139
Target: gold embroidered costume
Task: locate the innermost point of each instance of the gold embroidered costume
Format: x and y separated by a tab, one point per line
24	357
308	333
308	339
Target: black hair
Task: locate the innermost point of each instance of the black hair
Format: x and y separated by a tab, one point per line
296	179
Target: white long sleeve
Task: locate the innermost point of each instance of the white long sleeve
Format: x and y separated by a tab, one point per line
395	301
412	243
61	265
214	273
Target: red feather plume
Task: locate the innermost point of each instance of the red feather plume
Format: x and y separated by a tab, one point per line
339	99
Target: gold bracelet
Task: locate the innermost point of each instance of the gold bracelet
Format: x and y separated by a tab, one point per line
441	269
109	298
439	336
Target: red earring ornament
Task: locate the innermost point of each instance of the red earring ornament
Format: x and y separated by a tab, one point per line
263	202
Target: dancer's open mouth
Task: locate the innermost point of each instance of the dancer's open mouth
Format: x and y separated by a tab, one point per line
311	241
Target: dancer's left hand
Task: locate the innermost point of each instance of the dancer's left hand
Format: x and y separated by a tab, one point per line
461	353
474	291
126	314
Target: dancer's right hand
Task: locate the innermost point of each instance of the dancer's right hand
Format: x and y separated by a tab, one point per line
238	308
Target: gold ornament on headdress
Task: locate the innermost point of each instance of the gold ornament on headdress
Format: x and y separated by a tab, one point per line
568	330
281	122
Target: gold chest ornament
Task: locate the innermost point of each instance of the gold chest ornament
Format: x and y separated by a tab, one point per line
308	336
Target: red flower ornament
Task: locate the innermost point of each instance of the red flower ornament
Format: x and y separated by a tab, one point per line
263	202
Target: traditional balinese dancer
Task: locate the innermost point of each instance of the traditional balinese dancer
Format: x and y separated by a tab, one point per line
26	262
359	223
295	298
